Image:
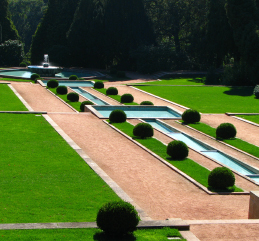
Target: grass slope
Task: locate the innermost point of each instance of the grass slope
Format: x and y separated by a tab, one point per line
9	101
209	99
178	81
42	178
253	118
188	166
86	234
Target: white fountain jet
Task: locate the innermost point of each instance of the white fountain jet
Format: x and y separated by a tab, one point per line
46	60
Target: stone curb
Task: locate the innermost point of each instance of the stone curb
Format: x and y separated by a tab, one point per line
247	121
223	221
113	185
20	97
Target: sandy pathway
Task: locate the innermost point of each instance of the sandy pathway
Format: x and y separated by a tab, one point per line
39	98
161	192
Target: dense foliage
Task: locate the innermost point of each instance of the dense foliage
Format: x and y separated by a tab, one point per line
73	97
226	131
62	90
98	85
127	98
112	91
146	102
191	116
221	178
256	91
143	130
117	218
82	105
52	83
177	150
117	116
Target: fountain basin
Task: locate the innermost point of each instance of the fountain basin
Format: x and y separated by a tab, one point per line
49	71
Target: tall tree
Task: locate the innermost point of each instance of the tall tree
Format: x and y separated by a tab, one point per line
7	28
50	36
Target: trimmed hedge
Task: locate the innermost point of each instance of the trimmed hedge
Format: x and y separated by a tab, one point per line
143	130
112	91
52	83
177	150
117	116
127	98
117	218
221	178
73	77
82	106
146	102
98	85
226	131
74	97
23	64
62	90
35	77
191	116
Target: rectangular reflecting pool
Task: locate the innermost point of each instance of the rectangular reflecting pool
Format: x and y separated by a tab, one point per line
159	112
73	83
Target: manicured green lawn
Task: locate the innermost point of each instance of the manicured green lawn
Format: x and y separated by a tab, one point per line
115	97
9	101
16	80
42	178
178	81
188	166
86	235
209	99
236	142
75	105
253	118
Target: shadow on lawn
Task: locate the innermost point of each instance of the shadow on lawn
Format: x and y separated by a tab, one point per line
100	236
240	91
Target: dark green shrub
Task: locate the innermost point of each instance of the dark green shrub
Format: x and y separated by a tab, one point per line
146	102
117	116
177	150
117	218
82	106
120	74
127	98
52	83
113	71
143	130
212	77
62	90
98	85
112	91
73	97
256	91
191	116
73	77
226	131
221	178
35	77
23	64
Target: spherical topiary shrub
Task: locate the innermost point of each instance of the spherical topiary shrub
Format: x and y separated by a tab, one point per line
117	116
82	106
146	102
22	64
117	218
52	83
143	130
226	131
127	98
221	178
256	91
191	116
62	90
73	97
98	85
177	150
73	77
112	91
35	77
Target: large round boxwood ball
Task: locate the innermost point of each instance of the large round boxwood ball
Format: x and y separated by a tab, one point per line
117	218
177	150
146	102
62	90
226	131
98	85
112	91
73	97
73	77
127	98
221	178
143	130
117	116
35	77
52	83
191	116
82	105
